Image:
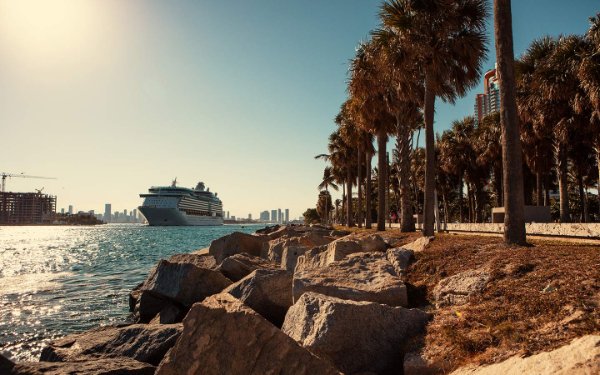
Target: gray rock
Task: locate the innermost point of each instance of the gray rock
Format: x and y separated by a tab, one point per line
184	283
202	261
286	250
420	244
268	292
456	289
580	357
236	243
238	266
223	336
400	258
84	365
359	277
354	336
144	343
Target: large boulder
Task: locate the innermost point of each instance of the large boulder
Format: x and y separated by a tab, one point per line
286	250
580	357
354	336
179	283
456	289
400	258
235	243
199	260
268	292
82	365
419	245
339	249
223	336
238	266
359	277
144	343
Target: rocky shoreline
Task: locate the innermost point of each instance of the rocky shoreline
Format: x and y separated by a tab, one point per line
287	300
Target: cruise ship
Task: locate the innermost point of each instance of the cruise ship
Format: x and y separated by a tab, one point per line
173	205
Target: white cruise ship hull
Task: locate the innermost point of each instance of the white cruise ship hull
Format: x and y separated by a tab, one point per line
159	216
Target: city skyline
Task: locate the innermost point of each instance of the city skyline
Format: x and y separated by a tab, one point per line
127	95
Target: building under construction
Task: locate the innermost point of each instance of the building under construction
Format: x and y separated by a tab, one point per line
27	208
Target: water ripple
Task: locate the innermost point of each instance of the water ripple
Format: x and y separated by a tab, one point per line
60	280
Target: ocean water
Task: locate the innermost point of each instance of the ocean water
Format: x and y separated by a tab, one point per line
56	280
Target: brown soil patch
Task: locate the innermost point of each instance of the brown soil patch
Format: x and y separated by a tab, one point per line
539	297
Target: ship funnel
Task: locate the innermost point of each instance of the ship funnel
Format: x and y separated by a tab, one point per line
200	186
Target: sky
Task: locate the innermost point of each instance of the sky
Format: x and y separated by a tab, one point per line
111	97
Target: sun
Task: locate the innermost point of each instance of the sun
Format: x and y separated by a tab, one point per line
47	30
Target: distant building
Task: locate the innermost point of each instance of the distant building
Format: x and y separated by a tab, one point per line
228	215
107	212
488	102
62	211
249	216
274	216
287	215
279	217
70	209
264	216
27	208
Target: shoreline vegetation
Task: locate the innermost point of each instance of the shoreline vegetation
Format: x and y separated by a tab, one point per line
304	299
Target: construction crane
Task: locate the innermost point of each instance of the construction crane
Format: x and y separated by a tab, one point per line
5	175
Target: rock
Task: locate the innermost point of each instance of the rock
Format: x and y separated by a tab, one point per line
338	250
235	243
419	245
400	258
359	277
203	251
144	343
238	266
148	305
184	283
416	364
169	314
286	250
84	365
339	233
202	261
354	336
372	242
268	292
581	356
455	290
223	336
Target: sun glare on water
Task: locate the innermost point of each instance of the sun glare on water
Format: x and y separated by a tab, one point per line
43	31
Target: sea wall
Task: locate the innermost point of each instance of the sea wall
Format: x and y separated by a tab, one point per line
580	230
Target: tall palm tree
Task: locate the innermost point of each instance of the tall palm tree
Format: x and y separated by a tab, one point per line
368	91
447	38
327	182
514	219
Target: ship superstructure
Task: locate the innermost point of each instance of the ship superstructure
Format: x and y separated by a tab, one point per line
174	205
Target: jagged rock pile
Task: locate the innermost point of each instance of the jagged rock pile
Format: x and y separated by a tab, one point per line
286	300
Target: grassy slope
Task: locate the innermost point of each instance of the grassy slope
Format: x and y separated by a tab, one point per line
538	299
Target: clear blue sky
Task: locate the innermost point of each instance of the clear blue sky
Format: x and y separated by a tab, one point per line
113	96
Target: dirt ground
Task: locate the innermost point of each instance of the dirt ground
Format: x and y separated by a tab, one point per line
539	297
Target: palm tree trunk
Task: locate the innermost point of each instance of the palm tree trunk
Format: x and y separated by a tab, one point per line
368	194
407	223
498	185
349	221
563	188
382	182
512	163
359	189
582	217
598	161
538	189
547	191
429	158
343	202
460	198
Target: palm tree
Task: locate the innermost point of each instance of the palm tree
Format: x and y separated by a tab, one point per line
368	91
328	181
489	151
447	39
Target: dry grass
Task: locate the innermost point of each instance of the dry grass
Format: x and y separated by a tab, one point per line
538	298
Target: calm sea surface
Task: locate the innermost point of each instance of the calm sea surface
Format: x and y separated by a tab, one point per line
57	280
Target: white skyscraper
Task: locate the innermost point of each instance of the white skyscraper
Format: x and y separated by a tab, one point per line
107	212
